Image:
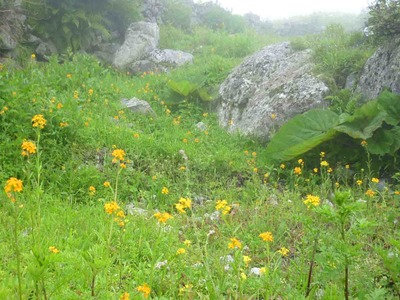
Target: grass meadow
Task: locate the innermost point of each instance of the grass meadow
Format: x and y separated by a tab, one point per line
101	203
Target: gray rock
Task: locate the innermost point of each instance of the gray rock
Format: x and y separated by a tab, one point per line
46	49
106	52
351	81
172	58
146	65
267	89
140	39
138	106
381	70
12	28
161	61
151	10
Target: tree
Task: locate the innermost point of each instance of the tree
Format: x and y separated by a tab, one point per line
384	20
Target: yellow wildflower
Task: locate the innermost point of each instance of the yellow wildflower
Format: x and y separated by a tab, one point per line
90	91
69	75
300	161
122	165
33	55
283	251
246	260
28	147
273	116
266	236
124	296
118	154
165	191
243	276
375	180
180	251
312	201
234	243
297	171
39	121
136	135
144	289
364	143
183	204
187	243
185	140
322	154
92	190
282	166
359	182
347	166
162	217
370	193
13	185
330	170
106	184
324	163
54	249
315	170
111	207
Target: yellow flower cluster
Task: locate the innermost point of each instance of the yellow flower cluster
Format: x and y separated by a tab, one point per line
165	191
28	147
283	251
267	236
234	243
113	208
183	204
119	155
324	163
163	217
144	289
181	251
246	260
92	190
223	206
38	121
370	193
13	185
54	249
124	296
375	180
312	201
297	171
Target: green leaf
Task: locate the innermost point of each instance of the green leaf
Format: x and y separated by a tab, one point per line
363	123
184	87
204	95
390	103
384	141
302	133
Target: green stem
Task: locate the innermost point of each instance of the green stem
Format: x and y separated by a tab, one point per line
17	253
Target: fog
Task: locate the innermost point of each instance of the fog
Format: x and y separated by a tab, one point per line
273	9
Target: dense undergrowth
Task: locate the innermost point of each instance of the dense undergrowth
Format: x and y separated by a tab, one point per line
102	203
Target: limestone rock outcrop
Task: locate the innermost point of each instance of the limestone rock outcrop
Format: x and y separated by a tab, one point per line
382	70
268	88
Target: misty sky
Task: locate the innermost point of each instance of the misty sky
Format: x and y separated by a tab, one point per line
278	9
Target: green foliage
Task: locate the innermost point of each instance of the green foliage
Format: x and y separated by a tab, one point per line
78	24
376	122
301	134
384	19
336	54
178	14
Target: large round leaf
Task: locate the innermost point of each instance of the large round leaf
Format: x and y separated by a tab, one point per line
302	133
